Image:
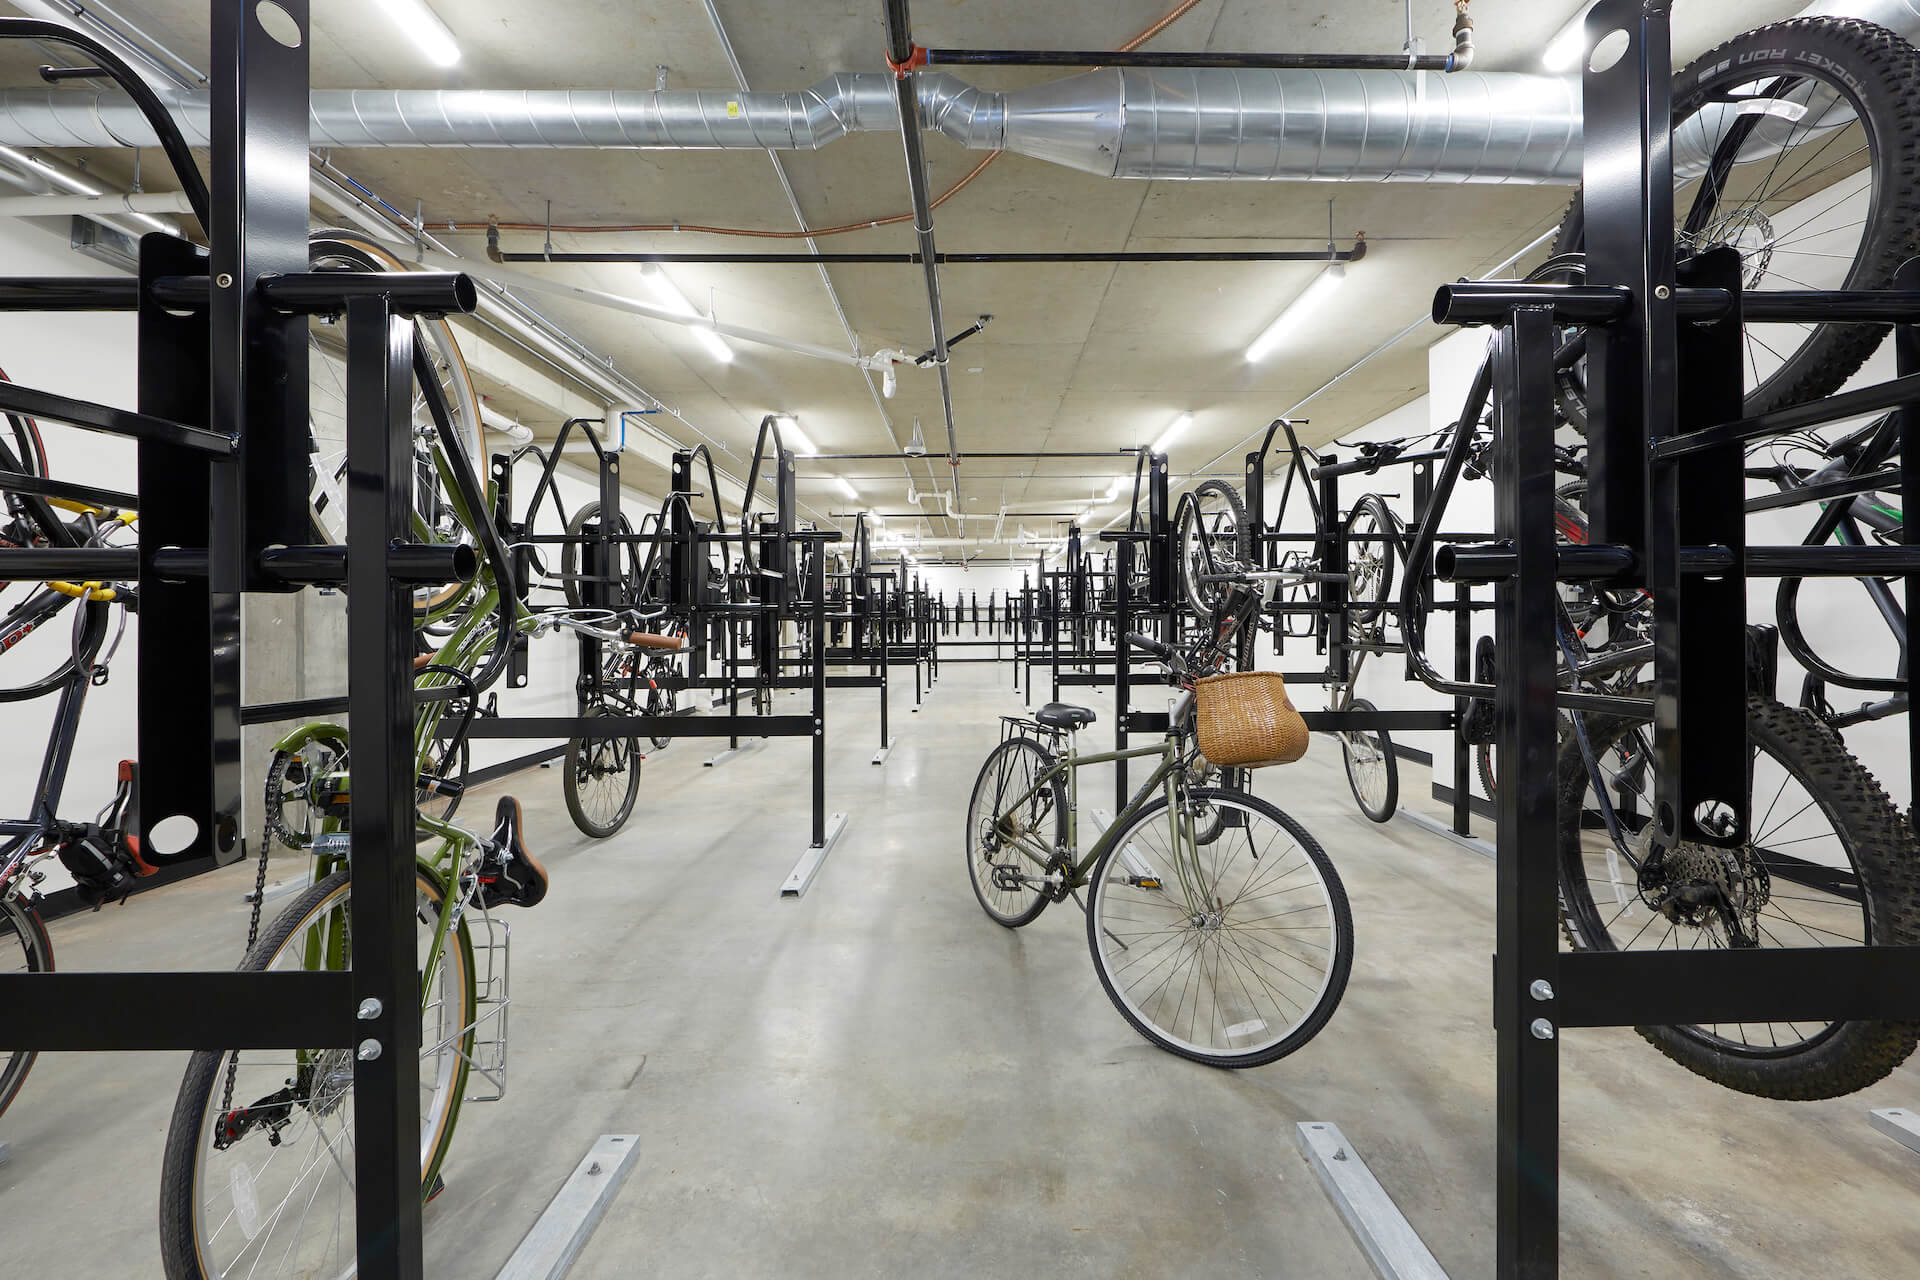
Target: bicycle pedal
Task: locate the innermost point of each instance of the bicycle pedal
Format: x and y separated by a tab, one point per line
1144	882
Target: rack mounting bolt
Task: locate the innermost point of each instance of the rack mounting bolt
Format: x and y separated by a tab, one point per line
224	280
1541	1028
1540	989
370	1009
1662	292
370	1049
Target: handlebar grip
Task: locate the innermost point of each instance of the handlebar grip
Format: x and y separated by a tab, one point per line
440	786
1152	646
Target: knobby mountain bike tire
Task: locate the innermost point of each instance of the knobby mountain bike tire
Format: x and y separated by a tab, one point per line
1831	862
1782	86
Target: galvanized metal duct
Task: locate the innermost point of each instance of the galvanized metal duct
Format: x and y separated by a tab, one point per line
1490	127
1132	123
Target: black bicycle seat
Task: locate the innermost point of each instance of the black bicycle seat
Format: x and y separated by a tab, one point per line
509	875
1058	715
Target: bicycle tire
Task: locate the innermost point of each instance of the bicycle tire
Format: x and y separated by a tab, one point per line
1483	765
999	770
1197	552
1380	743
1842	1057
1365	603
26	928
661	702
1200	985
181	1251
590	753
1878	73
627	591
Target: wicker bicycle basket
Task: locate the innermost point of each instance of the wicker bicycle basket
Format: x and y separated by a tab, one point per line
1245	720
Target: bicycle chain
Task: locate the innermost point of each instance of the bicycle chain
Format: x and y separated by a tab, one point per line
253	936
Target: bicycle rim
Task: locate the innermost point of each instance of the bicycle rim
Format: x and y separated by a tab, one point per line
24	948
1234	953
250	1207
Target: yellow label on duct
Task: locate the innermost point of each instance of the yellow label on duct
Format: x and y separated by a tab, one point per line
733	108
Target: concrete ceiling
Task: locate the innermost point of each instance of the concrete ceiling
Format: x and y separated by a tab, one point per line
1079	357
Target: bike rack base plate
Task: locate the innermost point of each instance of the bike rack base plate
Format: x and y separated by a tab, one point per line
1482	847
1383	1234
880	756
556	1239
1898	1123
809	865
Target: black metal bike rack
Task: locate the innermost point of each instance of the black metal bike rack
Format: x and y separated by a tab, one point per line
1665	418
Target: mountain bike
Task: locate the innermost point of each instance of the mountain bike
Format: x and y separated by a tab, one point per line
1217	925
1829	860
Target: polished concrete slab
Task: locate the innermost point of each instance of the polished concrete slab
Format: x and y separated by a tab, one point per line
875	1080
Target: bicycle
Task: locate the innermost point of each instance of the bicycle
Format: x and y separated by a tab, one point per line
103	855
1238	988
228	1182
601	780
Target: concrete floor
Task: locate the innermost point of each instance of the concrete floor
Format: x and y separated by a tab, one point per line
875	1080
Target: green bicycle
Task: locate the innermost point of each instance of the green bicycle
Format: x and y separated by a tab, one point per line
257	1174
1218	927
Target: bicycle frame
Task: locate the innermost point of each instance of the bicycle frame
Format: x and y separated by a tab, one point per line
1165	777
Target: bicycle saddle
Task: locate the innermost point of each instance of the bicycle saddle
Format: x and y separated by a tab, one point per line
1058	715
509	875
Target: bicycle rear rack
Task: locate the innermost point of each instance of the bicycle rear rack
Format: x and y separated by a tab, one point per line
487	1058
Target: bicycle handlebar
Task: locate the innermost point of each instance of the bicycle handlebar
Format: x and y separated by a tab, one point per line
1165	652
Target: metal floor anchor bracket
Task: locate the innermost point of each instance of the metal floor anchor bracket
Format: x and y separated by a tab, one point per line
880	756
746	745
810	860
1391	1245
1482	847
1898	1123
548	1250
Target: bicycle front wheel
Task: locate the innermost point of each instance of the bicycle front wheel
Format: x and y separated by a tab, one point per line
258	1174
24	948
1234	953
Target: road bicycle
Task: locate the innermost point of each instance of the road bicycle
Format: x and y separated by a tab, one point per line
102	855
636	677
1217	925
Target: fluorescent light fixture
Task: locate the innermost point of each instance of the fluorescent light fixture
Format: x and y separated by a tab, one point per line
846	486
1287	321
1174	428
1569	44
792	436
424	28
669	296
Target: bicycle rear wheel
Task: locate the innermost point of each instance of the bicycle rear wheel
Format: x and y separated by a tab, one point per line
1373	531
602	780
1831	863
1372	770
24	948
257	1178
1011	840
1214	538
1234	953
